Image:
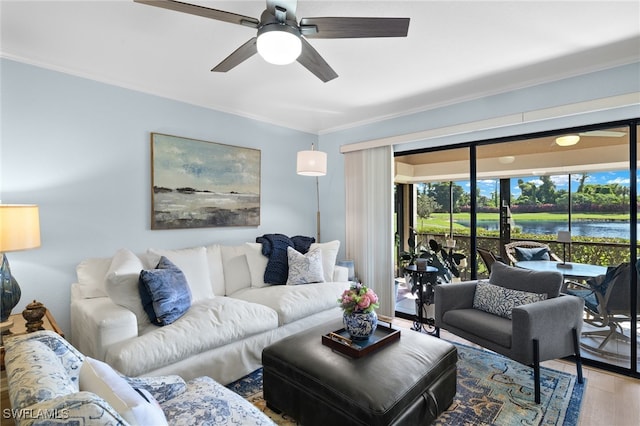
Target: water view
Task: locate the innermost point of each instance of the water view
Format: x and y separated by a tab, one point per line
583	228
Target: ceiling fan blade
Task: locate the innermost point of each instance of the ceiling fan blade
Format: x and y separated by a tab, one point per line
205	12
348	27
311	60
240	55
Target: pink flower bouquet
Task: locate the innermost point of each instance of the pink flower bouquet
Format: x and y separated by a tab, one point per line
358	298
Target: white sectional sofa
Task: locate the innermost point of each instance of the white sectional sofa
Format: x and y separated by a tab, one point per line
232	317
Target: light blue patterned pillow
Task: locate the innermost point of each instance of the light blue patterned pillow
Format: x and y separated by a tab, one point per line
305	268
500	301
164	292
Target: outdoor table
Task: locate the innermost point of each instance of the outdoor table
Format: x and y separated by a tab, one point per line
574	270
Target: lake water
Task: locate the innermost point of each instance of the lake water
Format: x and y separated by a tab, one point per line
585	229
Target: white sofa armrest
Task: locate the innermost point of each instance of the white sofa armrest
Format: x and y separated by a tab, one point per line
98	323
340	274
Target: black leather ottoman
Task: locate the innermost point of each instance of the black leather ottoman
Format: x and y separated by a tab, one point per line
408	382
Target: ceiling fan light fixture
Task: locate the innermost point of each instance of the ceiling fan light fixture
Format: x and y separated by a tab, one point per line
567	140
279	44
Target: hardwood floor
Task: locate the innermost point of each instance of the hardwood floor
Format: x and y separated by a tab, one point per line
609	399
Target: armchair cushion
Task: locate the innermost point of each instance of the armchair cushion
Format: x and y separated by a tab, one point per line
535	253
500	300
163	388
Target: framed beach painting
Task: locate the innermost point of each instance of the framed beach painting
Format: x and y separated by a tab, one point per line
198	184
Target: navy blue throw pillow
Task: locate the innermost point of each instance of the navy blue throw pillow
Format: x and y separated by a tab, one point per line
164	292
538	253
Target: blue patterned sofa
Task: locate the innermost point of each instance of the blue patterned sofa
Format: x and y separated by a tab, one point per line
44	375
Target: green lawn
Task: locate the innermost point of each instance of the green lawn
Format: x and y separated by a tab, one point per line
441	220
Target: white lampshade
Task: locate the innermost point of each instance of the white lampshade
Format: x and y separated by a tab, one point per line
279	46
564	236
312	163
19	227
567	140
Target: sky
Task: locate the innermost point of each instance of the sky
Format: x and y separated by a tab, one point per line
561	182
182	162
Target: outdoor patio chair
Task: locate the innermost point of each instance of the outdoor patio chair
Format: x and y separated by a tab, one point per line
530	248
607	304
488	258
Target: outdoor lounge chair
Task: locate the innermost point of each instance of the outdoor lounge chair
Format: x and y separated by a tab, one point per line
512	249
607	304
488	258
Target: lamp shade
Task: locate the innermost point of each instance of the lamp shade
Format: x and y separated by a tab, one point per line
564	236
312	163
19	227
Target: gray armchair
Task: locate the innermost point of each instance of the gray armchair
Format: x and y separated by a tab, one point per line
536	332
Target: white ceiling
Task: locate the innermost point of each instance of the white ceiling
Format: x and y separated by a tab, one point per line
455	50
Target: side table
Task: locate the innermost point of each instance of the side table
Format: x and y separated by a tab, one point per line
424	279
19	328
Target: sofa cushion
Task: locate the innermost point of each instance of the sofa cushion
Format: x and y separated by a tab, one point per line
329	256
193	263
122	284
305	268
164	292
257	264
137	407
236	268
507	276
216	270
91	275
225	320
500	300
293	302
534	253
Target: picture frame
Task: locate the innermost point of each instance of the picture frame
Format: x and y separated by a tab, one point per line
200	184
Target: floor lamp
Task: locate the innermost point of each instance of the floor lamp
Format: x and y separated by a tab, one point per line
313	163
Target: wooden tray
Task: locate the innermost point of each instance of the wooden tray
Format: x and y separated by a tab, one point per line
340	341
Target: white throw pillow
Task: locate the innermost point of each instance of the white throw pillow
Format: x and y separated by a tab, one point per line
137	407
305	268
329	255
193	263
216	270
257	264
91	275
122	284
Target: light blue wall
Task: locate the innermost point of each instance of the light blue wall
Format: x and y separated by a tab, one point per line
612	82
80	150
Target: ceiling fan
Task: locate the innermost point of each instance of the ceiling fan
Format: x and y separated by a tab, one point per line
281	40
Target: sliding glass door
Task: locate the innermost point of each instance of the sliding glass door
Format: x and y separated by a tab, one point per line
575	192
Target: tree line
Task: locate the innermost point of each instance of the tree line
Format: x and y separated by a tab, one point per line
535	196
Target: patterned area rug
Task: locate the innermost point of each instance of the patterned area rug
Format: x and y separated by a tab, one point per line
492	390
